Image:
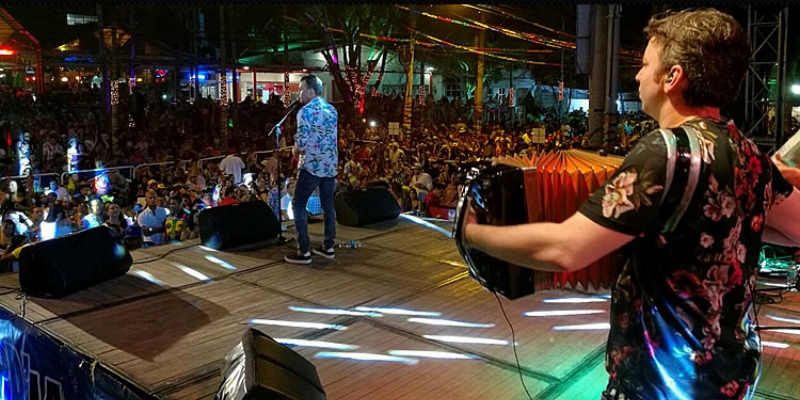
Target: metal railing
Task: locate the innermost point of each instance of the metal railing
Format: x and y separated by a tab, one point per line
92	173
169	164
260	156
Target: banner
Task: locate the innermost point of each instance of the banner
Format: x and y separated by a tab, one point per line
35	366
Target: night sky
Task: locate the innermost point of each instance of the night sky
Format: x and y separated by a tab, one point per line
48	24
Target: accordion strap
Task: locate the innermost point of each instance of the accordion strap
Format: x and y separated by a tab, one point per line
684	162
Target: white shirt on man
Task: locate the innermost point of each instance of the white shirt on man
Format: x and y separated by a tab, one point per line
232	165
153	219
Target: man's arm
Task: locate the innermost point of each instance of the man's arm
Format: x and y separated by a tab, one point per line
565	247
783	221
303	133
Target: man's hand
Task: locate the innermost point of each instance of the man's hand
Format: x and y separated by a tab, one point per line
791	173
295	150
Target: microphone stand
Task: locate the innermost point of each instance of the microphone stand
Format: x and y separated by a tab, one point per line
281	240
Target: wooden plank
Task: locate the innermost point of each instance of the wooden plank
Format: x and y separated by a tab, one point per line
540	348
350	379
159	339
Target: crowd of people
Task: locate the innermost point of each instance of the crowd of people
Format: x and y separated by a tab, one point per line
150	180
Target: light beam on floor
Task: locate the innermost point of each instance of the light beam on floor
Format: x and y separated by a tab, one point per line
575	300
442	355
335	311
466	340
296	324
583	327
449	322
316	343
561	313
221	263
148	277
192	272
367	357
426	224
777	345
399	311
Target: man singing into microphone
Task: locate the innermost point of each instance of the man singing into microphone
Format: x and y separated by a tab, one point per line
315	143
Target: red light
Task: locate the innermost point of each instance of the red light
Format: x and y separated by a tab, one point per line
7	52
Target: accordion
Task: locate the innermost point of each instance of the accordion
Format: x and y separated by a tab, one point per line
545	188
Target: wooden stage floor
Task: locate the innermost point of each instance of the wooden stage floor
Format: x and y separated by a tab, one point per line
169	322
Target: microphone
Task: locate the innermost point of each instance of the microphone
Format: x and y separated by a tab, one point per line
293	105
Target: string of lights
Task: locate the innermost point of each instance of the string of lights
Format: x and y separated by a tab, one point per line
287	95
487	54
481	26
428	44
223	90
114	92
496	10
525	36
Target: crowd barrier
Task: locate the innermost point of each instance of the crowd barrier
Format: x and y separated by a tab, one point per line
40	181
89	174
184	164
260	156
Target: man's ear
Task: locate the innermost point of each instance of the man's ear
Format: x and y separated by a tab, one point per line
676	78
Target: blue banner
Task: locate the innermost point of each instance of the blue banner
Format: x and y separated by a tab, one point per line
36	366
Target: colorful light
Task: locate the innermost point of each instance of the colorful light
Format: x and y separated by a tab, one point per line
7	52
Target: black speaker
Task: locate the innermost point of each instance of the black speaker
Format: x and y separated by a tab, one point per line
365	207
238	225
58	267
260	368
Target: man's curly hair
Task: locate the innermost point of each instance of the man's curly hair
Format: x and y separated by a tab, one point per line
712	48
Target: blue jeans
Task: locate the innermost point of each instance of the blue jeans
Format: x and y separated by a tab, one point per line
305	186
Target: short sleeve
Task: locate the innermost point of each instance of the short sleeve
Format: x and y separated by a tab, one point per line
629	201
781	188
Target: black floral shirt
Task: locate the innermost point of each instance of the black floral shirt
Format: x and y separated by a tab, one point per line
681	310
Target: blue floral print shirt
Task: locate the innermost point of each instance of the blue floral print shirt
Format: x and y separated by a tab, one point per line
316	139
682	308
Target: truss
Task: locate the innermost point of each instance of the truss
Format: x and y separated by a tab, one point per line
765	84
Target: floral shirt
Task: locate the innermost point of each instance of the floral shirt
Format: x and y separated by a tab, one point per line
316	138
682	307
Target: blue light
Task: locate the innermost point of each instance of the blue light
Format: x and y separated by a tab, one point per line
77	59
201	77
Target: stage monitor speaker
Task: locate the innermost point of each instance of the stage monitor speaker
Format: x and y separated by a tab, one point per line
365	207
238	225
58	267
259	368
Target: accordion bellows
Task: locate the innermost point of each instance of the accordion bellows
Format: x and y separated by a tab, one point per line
554	186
